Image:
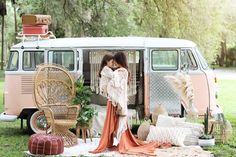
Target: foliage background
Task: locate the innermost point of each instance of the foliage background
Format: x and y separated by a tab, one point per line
205	22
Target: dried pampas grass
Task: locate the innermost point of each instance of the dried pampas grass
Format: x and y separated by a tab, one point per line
182	83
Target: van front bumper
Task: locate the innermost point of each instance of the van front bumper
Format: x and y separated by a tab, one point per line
7	118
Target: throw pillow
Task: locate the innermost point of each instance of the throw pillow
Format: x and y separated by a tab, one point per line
196	132
143	130
167	121
172	135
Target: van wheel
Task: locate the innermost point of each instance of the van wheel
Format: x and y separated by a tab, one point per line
36	122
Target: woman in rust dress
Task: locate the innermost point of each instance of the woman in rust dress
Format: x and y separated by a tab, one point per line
116	122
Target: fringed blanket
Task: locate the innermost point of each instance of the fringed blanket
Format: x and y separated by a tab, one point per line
82	149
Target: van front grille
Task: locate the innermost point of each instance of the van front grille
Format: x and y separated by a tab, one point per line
26	84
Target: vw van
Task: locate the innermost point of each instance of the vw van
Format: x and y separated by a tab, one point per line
150	60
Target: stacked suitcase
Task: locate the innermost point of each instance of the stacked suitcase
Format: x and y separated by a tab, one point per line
36	24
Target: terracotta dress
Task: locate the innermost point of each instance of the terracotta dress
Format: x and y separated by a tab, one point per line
116	123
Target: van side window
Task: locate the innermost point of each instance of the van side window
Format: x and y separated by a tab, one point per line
13	61
65	58
164	59
188	61
31	59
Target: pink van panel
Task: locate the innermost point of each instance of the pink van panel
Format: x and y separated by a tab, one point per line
15	98
212	89
201	96
204	91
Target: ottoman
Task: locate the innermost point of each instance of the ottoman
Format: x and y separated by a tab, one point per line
45	144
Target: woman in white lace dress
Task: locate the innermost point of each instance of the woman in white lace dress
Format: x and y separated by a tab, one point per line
105	73
116	122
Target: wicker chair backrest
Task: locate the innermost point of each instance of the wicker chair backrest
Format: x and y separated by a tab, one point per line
53	86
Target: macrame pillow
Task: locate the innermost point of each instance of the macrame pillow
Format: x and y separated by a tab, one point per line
196	132
143	130
167	121
172	135
159	110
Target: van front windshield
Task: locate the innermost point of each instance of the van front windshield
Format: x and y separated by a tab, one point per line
13	61
202	59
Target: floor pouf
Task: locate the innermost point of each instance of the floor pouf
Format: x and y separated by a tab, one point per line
45	144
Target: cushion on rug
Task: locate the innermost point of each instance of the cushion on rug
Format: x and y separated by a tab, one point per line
172	135
167	121
188	151
43	144
159	110
196	132
143	130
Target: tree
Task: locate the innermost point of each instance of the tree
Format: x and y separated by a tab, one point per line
199	21
82	18
203	22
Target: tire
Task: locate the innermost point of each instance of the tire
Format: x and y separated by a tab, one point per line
36	122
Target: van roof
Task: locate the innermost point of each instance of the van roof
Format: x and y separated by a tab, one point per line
97	42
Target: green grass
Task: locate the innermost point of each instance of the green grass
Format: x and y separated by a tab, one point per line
227	97
227	100
13	140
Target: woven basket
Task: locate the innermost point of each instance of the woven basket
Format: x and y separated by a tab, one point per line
143	130
222	130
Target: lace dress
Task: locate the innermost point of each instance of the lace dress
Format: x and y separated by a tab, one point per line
116	122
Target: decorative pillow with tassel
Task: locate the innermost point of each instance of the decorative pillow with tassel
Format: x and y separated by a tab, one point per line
196	132
167	121
172	135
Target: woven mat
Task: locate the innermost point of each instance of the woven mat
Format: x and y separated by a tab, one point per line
189	151
82	149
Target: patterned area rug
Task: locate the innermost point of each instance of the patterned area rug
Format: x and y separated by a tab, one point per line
82	149
189	151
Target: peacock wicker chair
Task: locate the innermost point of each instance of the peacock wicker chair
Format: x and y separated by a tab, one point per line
53	93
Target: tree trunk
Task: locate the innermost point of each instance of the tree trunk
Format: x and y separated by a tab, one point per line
2	55
14	5
222	54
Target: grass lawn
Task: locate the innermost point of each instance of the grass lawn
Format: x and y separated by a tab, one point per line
13	140
227	101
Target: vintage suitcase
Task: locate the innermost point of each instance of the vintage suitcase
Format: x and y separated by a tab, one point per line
36	19
35	29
